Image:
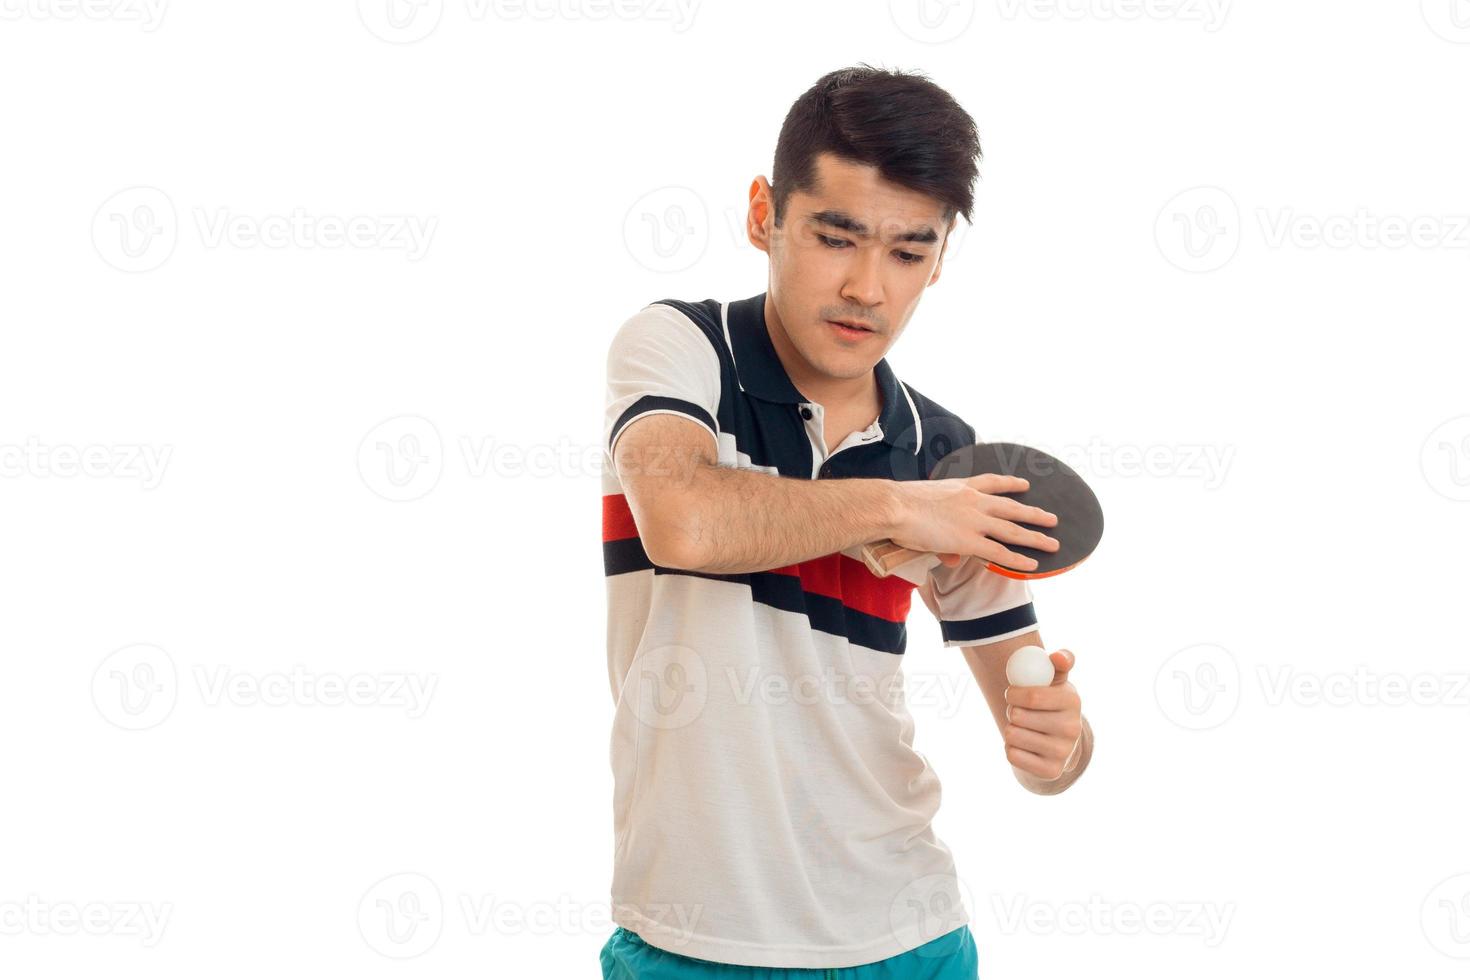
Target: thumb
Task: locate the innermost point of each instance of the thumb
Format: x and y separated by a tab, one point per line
1063	661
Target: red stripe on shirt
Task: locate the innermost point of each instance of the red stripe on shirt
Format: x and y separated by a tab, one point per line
849	581
835	576
617	518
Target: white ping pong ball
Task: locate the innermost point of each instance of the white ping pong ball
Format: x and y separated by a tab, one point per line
1030	666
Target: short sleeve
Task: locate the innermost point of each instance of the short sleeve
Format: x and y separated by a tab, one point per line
975	605
660	362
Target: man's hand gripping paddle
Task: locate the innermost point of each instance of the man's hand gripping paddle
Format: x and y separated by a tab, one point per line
1054	487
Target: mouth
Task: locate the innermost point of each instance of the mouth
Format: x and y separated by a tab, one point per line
850	328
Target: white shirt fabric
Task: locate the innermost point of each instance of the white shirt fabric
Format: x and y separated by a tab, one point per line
769	808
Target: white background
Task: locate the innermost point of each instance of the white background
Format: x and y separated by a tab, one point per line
375	462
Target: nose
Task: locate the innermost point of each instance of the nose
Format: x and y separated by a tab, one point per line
863	287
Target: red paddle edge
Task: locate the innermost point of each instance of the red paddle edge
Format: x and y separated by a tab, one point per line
1027	576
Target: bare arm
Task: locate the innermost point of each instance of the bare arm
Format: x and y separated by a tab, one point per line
988	664
987	661
694	514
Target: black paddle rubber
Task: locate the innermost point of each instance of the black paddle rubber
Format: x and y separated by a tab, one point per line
1055	487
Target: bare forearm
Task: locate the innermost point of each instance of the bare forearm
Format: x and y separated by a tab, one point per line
732	521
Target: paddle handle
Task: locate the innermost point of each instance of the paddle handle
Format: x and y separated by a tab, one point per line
882	557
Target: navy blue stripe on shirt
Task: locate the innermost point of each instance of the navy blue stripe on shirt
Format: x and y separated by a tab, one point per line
828	614
662	403
778	591
996	624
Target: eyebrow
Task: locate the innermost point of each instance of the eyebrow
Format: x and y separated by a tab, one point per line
841	219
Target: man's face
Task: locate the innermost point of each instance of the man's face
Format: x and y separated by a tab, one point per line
856	248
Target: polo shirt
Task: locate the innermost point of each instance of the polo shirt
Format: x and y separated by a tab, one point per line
769	808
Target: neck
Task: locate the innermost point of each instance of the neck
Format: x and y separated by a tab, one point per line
830	392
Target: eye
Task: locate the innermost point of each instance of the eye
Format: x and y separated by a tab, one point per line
905	258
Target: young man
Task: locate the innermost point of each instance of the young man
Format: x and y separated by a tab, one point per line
770	812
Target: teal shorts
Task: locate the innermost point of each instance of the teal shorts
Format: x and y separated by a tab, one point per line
952	956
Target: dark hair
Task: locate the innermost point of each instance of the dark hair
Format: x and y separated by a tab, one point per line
912	130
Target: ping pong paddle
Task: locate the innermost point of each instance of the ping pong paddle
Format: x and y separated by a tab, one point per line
1054	487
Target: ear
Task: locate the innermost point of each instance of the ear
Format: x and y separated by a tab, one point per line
760	218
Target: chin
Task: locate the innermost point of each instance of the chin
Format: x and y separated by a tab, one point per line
843	364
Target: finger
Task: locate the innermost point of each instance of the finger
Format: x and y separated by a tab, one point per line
998	483
1025	513
1057	697
1011	533
1036	765
1062	724
998	554
1045	745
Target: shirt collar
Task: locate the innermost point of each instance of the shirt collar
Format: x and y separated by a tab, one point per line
759	372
